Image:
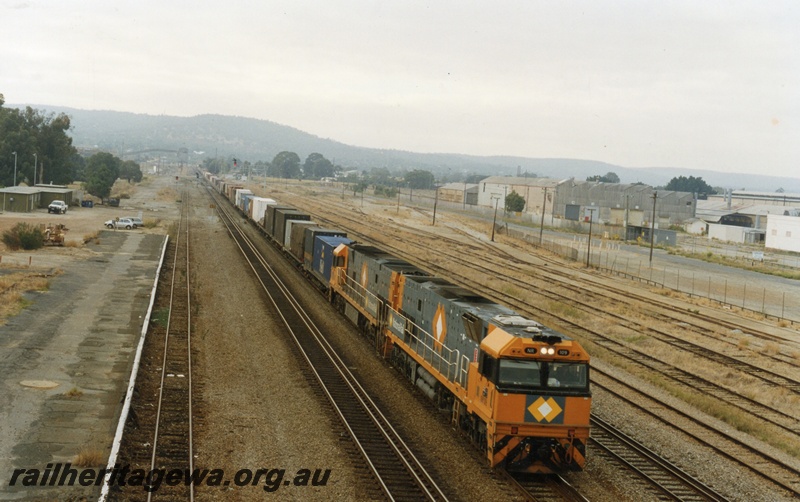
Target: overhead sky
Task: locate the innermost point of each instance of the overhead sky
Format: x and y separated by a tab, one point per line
703	85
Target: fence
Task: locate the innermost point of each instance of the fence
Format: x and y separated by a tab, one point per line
608	257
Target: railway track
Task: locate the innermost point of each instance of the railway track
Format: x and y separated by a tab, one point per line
719	440
393	465
665	479
544	487
162	417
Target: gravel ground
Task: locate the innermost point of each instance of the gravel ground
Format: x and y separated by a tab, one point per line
258	410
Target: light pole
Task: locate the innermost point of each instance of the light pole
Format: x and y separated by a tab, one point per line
15	168
35	163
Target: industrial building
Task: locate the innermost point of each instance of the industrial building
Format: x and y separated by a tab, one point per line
22	199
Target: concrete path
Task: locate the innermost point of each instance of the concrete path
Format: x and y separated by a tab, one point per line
65	362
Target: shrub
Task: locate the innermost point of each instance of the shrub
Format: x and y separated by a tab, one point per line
23	236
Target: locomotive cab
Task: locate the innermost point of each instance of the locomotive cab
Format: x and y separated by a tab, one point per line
533	394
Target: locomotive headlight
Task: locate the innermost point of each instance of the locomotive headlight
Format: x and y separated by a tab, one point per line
543	350
550	351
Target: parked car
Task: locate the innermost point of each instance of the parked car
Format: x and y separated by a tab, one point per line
57	206
137	222
125	223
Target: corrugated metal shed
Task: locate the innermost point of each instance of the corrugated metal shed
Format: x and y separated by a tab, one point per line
20	199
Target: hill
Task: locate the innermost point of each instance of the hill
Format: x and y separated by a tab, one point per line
250	139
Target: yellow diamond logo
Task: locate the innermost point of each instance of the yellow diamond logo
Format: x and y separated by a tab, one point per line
545	409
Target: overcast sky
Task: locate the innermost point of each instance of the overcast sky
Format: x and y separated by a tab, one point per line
695	84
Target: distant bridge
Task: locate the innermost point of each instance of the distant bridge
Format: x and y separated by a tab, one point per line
180	151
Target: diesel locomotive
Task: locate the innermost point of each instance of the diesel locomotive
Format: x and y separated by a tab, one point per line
518	389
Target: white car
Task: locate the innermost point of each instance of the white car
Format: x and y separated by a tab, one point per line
57	206
125	223
137	222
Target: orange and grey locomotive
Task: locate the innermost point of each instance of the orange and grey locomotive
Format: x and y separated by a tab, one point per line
519	389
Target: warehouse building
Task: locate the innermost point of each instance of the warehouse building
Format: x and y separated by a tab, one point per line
574	200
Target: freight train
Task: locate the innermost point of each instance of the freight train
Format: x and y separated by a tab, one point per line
518	390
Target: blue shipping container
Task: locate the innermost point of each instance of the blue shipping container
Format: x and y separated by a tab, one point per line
322	262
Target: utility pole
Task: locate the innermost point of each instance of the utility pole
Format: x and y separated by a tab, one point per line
589	246
435	203
653	227
541	226
494	221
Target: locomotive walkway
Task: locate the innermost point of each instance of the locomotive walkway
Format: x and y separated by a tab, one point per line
65	361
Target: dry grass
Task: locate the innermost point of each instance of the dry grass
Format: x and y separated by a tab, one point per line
89	457
167	194
14	286
87	238
74	392
564	310
151	222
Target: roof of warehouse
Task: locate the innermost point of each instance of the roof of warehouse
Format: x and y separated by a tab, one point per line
21	190
516	180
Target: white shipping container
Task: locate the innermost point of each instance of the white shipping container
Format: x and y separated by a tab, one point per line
239	193
258	206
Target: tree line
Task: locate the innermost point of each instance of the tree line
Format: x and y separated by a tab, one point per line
35	148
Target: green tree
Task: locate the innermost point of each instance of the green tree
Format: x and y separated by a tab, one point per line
285	165
130	171
690	184
33	135
317	166
420	179
380	176
102	170
609	177
515	202
212	165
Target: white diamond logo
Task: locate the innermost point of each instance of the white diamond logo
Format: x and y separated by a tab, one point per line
544	409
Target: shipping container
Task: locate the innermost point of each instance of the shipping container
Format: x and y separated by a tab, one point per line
269	219
258	207
237	197
311	234
322	258
297	240
290	227
281	217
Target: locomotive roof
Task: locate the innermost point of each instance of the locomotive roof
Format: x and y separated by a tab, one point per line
488	310
390	261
